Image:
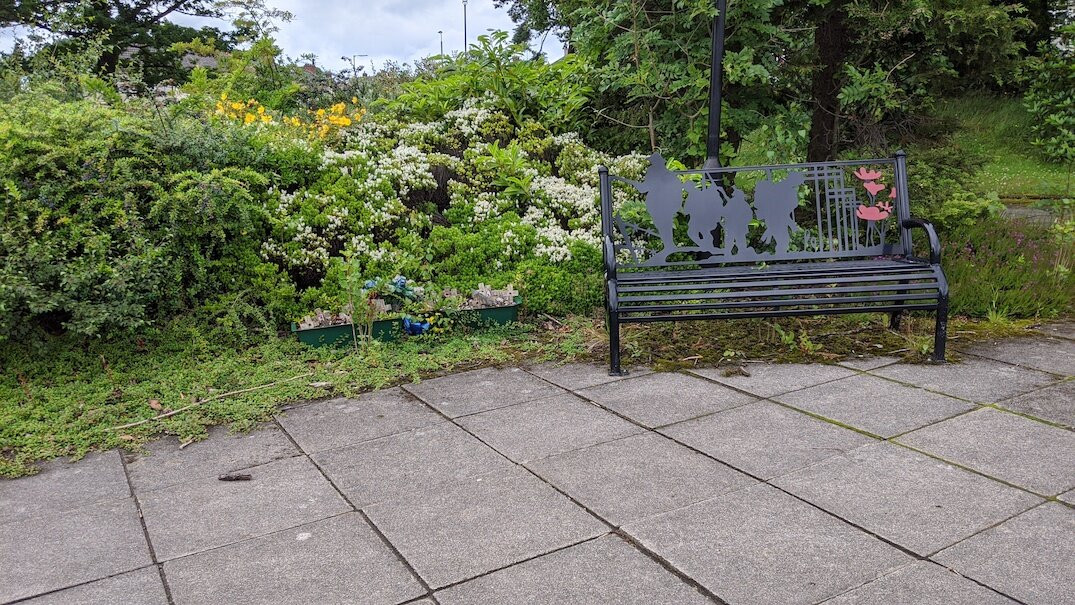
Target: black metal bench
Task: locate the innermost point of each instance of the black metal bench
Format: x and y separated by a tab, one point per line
811	239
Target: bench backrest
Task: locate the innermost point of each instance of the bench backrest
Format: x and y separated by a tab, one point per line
756	214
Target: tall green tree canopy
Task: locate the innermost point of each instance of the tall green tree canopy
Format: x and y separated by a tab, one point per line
858	71
120	30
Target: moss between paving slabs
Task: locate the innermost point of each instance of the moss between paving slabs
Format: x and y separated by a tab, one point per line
61	398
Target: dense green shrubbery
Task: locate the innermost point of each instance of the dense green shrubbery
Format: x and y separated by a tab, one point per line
1051	98
552	94
107	224
1008	269
119	213
78	179
940	185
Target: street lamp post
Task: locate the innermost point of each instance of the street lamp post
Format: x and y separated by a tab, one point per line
440	32
716	81
353	60
464	26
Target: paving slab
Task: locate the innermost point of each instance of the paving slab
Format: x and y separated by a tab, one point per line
1050	354
168	462
57	550
636	477
1068	497
575	376
766	439
1064	329
875	405
664	398
974	378
480	390
603	571
916	501
535	429
62	485
138	587
198	515
1055	403
768	379
867	362
414	461
759	545
1018	450
921	583
1029	557
339	422
337	560
480	524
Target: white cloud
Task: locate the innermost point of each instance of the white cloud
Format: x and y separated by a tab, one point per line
399	30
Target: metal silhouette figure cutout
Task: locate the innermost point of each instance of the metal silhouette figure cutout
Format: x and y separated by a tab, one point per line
721	220
663	191
709	210
775	203
705	212
736	225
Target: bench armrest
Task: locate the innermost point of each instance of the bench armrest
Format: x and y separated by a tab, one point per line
934	241
610	258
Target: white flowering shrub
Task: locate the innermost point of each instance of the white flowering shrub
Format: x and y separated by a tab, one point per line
455	201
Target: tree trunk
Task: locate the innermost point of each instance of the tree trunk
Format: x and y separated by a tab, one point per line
831	43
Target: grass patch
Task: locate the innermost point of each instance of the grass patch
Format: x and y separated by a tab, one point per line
62	397
999	129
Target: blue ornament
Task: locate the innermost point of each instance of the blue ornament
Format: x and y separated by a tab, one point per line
415	328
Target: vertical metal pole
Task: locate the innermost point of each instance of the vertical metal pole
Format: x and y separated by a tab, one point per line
464	26
903	203
716	81
440	32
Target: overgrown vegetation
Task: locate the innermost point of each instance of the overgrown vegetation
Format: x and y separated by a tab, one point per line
65	396
156	242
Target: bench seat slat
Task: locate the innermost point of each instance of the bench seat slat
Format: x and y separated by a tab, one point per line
717	283
780	313
810	303
799	292
815	270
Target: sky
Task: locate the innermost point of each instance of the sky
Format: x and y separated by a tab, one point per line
400	30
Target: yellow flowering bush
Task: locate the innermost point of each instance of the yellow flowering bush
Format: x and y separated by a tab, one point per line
326	122
321	123
248	112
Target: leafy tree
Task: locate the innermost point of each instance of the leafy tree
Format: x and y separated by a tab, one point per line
864	69
119	24
1051	98
533	18
554	94
137	29
651	62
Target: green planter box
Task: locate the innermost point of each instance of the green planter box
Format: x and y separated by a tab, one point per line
496	316
385	330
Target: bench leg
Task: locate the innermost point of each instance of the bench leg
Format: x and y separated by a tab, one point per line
940	332
614	368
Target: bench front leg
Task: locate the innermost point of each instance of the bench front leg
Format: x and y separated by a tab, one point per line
612	322
940	330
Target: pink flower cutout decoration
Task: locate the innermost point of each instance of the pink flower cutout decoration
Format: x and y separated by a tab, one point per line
867	175
874	188
892	194
874	213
